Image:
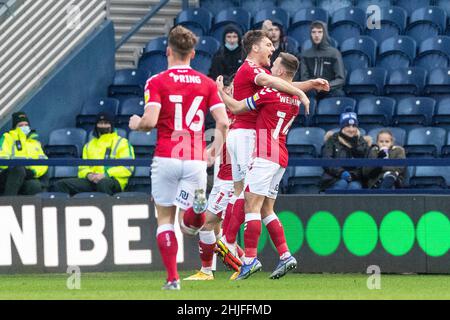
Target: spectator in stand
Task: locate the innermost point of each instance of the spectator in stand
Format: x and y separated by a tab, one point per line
21	143
276	35
323	61
230	56
106	144
385	177
345	144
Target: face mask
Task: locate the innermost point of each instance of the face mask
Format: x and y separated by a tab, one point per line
102	131
231	47
26	130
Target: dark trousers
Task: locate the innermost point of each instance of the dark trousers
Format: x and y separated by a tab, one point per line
75	185
18	181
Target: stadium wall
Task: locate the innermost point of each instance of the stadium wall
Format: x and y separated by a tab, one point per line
87	72
332	234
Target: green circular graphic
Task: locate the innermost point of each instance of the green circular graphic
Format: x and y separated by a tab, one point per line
433	233
262	239
397	233
293	230
323	233
360	233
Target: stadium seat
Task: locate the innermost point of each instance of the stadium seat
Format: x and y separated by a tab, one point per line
434	53
53	195
66	143
398	133
204	52
368	81
300	28
329	110
255	6
62	173
426	23
358	52
347	22
198	20
429	178
364	4
410	6
128	82
128	108
143	143
425	142
303	180
396	52
293	46
332	6
132	195
414	112
215	6
92	107
406	81
90	195
295	5
276	15
375	112
140	180
442	115
443	4
392	24
302	119
445	152
438	82
154	59
239	17
305	142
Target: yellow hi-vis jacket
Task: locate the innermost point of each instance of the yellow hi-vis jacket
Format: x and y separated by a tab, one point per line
16	145
108	146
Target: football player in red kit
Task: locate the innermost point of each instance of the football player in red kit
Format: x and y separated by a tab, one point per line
176	104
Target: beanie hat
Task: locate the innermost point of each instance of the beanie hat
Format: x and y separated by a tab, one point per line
348	118
19	117
104	116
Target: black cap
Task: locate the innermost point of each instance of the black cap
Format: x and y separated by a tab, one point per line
19	117
105	116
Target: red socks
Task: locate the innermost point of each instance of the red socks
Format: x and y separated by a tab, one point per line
236	220
251	234
276	232
168	247
206	246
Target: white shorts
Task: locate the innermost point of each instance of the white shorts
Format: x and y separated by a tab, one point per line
264	177
220	195
241	145
175	181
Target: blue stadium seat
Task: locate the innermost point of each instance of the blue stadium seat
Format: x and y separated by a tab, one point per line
300	28
426	23
392	24
438	82
130	195
398	133
445	152
375	112
62	173
414	112
140	180
128	108
364	4
66	143
406	81
329	110
358	52
434	53
215	6
208	45
410	6
295	5
276	15
347	22
305	142
332	6
304	120
91	195
429	178
204	52
92	107
143	143
255	6
53	195
198	20
442	115
239	17
425	142
397	52
128	82
154	59
293	46
367	81
303	180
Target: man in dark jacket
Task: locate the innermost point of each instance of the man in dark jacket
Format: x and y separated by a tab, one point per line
323	61
230	56
345	144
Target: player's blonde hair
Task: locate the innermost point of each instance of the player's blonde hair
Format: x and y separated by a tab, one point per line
182	41
290	63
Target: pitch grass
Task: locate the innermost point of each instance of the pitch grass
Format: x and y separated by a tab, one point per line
295	286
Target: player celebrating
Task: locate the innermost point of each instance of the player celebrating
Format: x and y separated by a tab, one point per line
176	103
276	113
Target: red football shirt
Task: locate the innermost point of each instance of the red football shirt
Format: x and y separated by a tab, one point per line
276	113
184	96
245	86
225	171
